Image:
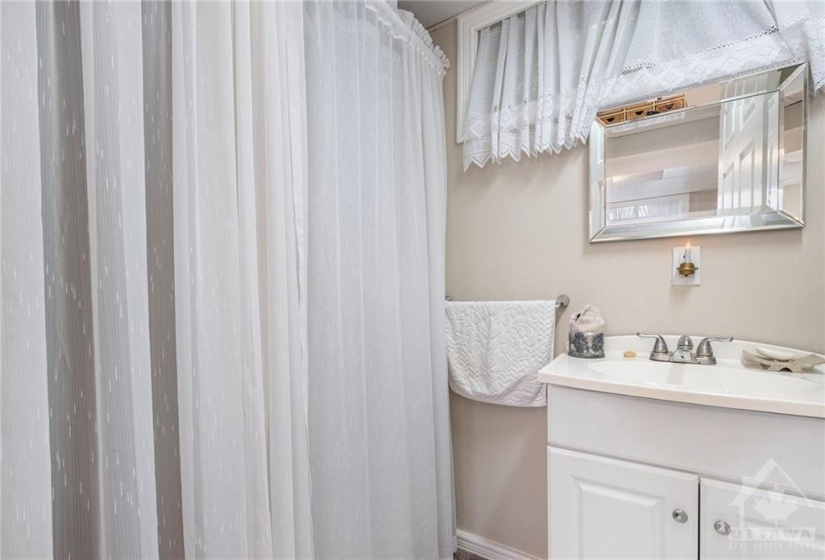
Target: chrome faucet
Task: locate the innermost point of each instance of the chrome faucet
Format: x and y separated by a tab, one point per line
684	353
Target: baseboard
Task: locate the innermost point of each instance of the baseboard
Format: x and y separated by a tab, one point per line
489	549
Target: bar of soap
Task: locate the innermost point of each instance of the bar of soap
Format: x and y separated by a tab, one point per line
629	354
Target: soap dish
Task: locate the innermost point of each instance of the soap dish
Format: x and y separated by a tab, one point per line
780	355
797	363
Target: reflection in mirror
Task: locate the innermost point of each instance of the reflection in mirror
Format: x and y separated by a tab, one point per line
663	168
792	99
732	159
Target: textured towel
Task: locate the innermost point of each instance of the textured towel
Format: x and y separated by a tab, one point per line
495	348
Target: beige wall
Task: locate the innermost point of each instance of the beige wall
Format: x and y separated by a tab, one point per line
518	231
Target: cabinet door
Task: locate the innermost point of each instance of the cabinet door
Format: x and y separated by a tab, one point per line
605	508
744	522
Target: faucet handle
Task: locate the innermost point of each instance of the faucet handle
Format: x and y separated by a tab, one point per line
705	350
660	351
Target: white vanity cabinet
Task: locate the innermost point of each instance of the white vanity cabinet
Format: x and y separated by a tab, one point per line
746	522
617	509
638	478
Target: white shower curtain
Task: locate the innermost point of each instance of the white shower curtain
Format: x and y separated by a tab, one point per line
240	239
25	473
191	362
378	414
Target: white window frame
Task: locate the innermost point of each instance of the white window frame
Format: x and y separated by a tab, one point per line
469	24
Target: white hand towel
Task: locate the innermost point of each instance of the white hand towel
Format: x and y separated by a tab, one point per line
495	348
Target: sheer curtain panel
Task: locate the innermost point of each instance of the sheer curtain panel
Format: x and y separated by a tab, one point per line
378	416
222	255
240	184
148	164
219	363
542	75
25	473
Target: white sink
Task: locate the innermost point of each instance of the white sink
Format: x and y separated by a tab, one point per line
728	384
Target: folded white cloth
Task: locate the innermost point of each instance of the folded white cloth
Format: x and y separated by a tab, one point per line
495	348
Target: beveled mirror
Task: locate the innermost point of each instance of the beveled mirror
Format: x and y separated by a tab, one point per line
727	157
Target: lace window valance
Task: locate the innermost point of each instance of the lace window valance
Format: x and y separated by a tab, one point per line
541	75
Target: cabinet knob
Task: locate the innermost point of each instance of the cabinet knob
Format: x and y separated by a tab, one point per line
722	528
680	516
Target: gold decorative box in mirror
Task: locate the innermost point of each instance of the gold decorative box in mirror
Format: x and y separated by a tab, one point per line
644	109
726	157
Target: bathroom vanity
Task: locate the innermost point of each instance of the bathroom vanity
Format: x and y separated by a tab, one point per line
665	460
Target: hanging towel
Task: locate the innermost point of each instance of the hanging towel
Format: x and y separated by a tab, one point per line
495	348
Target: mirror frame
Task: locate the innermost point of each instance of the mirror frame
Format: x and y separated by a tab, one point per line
600	231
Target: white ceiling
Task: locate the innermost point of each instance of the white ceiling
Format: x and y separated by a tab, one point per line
432	12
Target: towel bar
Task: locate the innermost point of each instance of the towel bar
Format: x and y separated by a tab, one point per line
561	302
